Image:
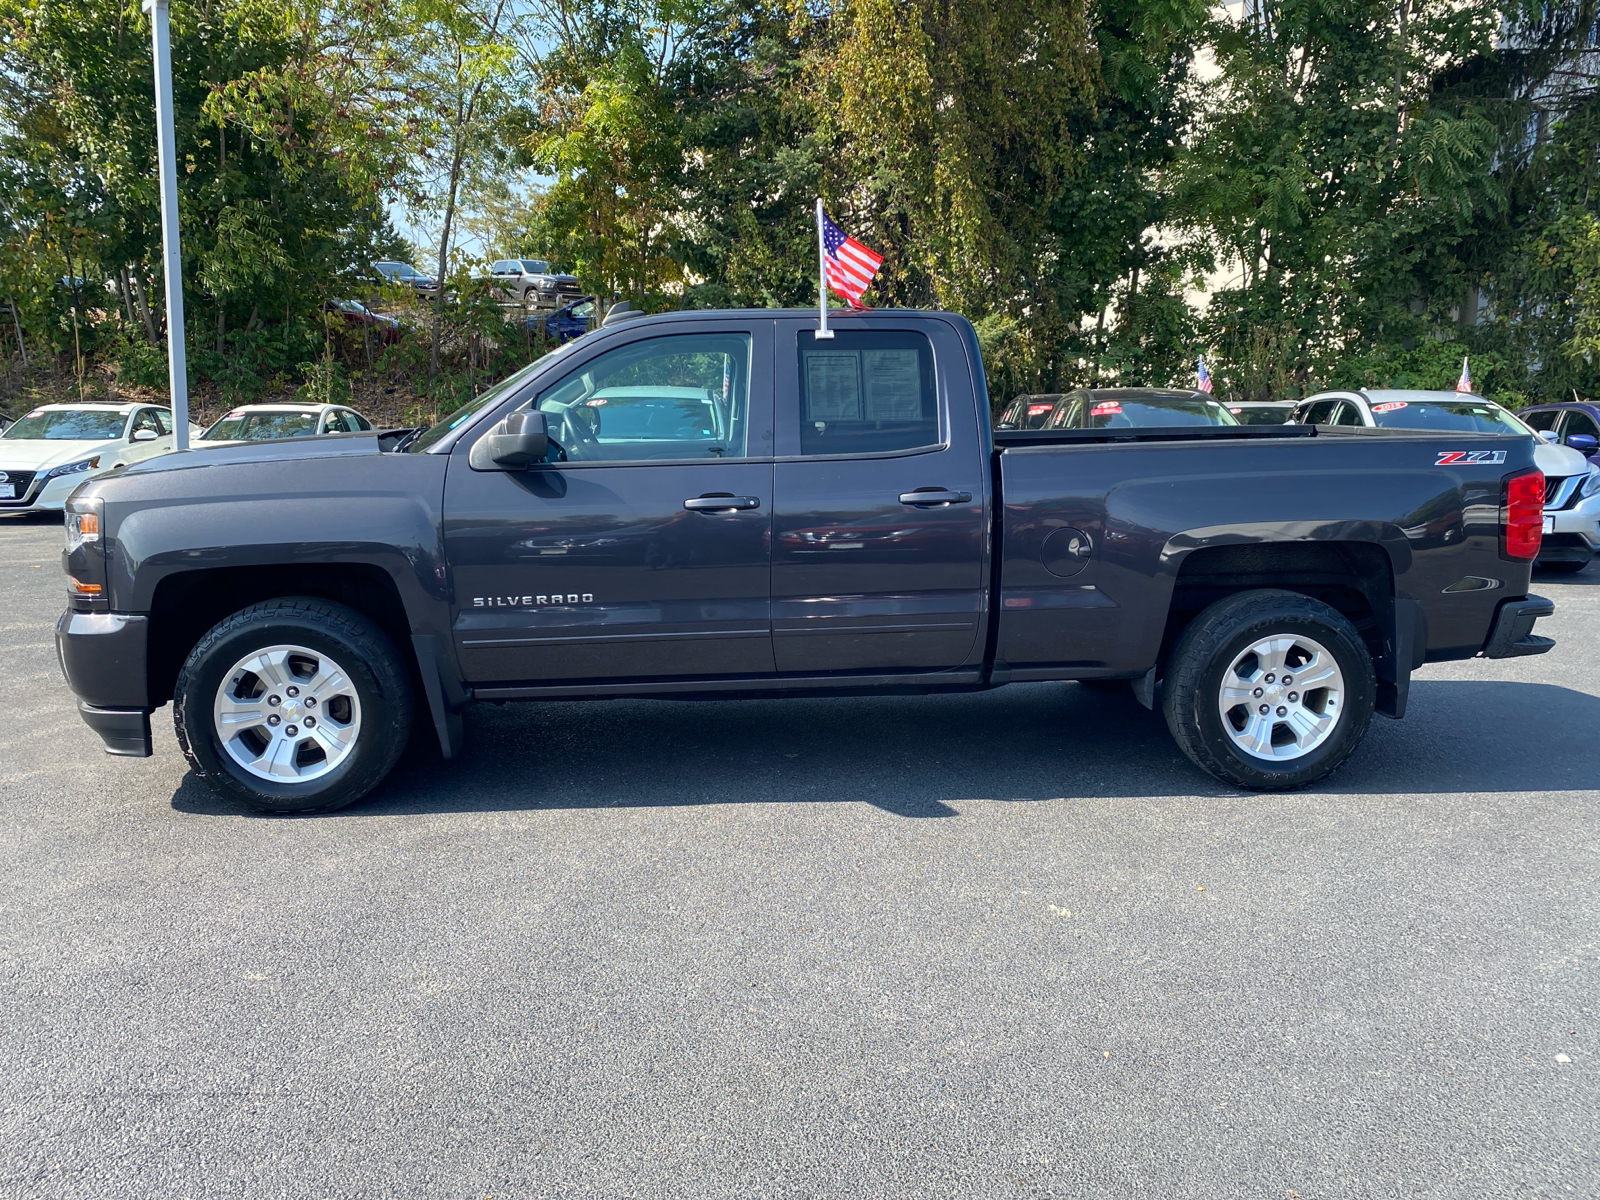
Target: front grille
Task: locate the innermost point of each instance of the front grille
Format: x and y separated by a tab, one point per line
1561	491
20	481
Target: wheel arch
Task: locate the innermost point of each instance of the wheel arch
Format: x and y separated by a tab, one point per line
1354	577
186	604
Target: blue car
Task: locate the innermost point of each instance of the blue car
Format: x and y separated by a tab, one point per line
570	321
1575	424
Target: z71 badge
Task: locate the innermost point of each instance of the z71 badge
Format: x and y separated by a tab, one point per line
1470	457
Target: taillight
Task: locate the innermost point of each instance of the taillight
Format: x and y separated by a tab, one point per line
1524	515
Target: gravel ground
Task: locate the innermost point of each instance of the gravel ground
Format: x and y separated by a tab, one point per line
996	945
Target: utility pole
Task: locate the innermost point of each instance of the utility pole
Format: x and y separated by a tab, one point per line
167	164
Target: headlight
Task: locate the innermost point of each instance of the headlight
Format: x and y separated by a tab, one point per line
72	468
1591	485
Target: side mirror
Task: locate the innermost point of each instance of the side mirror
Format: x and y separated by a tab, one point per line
1547	436
519	441
1583	443
144	435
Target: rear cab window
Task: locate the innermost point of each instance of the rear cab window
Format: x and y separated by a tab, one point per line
868	392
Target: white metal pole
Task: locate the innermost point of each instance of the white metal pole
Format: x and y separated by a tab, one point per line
167	163
822	279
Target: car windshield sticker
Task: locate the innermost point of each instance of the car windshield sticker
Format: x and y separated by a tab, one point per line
1035	409
1469	457
1388	406
1108	409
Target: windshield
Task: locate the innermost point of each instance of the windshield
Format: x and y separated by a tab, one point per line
1141	412
68	425
475	406
1455	416
261	426
535	266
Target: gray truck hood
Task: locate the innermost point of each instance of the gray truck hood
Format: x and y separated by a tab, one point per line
329	445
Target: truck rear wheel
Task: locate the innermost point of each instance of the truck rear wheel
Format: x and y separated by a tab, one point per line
293	705
1269	690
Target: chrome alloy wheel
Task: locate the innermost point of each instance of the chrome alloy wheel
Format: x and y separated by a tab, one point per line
1281	696
287	714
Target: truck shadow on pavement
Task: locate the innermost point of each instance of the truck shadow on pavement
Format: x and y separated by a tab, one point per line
921	756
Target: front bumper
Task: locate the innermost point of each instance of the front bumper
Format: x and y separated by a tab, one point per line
104	656
1512	634
1573	534
50	496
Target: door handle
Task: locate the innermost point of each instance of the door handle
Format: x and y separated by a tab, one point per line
934	497
721	502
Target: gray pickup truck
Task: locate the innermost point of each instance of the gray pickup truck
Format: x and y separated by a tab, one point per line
705	505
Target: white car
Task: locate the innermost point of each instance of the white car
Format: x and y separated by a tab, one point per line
1571	484
48	452
265	422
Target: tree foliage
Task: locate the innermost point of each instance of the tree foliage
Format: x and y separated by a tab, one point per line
1369	188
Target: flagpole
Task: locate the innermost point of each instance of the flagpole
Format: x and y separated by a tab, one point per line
172	268
823	331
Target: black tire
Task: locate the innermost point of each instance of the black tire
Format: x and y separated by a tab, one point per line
1208	648
364	652
1562	568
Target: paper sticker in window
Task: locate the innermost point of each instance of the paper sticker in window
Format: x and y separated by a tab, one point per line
894	385
833	391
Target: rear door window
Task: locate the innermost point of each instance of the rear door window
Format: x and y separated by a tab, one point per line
867	393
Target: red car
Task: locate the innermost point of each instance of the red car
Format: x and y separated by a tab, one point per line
358	314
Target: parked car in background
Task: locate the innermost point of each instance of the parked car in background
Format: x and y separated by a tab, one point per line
48	452
405	275
531	282
1572	483
357	314
1129	408
1028	412
270	422
1575	425
570	321
1262	412
267	422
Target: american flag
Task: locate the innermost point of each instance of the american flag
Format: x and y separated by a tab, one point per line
848	265
1464	384
1203	375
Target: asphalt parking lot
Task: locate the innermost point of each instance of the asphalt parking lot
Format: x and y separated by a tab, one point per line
995	945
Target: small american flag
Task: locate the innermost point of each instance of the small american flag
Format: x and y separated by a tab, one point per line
1203	375
848	264
1464	384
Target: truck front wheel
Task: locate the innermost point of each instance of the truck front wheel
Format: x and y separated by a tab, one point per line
1269	690
293	705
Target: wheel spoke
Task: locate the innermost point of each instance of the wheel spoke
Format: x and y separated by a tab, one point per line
1236	693
332	738
1257	734
233	713
1307	726
1315	674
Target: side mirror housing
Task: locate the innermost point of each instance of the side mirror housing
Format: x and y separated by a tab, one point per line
144	435
521	440
1583	443
1548	436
